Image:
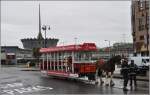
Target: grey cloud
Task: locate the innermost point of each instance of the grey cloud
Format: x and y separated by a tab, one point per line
88	21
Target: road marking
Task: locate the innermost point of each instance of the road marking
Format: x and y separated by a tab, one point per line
13	88
26	90
121	87
11	85
11	92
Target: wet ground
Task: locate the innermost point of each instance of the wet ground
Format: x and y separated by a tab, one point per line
13	81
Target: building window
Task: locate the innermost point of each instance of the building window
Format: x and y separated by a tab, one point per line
134	39
141	25
141	4
133	33
140	21
147	21
141	37
147	4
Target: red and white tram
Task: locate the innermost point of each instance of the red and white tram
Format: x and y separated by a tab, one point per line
70	61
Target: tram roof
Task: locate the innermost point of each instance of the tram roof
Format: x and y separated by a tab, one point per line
80	47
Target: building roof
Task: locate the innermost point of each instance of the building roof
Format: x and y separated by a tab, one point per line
8	48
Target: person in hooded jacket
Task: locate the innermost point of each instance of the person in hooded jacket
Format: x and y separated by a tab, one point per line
132	73
125	73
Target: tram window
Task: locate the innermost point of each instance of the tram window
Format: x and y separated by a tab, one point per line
79	56
87	56
83	56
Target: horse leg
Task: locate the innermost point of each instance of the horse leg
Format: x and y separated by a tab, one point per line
100	78
96	77
111	81
106	82
101	81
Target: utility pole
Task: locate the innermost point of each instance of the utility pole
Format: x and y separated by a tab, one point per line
39	19
75	40
124	38
109	48
124	41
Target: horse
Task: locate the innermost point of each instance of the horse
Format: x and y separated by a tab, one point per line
107	67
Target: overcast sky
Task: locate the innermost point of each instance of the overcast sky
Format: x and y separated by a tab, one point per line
89	21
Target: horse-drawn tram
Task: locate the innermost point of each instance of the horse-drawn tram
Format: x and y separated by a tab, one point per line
70	61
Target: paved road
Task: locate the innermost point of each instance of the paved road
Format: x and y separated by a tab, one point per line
13	81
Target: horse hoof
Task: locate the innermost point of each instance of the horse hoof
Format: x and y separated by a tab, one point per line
112	84
96	82
125	89
102	83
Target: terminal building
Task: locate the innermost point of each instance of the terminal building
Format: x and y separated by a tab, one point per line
39	42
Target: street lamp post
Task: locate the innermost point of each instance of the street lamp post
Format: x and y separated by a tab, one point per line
45	28
75	39
109	48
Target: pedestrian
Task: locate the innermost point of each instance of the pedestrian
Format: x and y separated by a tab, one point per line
132	73
124	73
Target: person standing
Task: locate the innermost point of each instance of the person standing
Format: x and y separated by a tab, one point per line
132	73
125	73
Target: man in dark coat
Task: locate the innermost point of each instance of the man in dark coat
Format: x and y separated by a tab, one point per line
125	72
132	73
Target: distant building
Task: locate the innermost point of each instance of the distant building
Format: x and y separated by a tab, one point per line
102	53
140	26
12	54
3	57
39	42
123	49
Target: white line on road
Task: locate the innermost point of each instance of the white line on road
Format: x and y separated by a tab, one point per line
7	88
